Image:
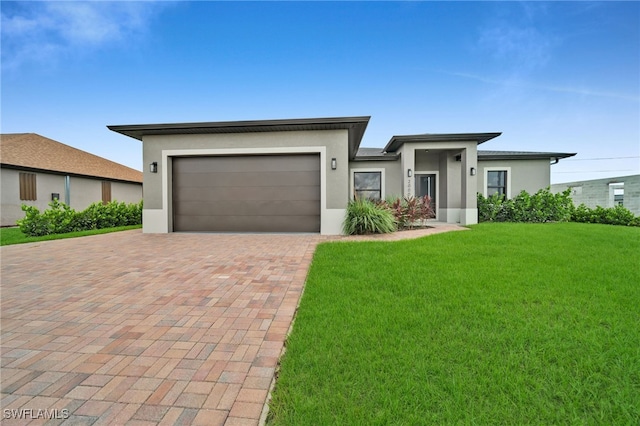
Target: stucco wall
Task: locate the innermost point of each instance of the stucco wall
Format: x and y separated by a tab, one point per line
162	148
599	192
82	192
392	173
527	175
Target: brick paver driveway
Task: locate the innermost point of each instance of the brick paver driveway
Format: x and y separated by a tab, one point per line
147	329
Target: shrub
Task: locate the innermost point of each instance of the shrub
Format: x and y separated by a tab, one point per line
543	206
366	217
409	211
59	218
617	215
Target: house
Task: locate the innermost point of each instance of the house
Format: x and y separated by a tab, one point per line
35	170
607	192
298	175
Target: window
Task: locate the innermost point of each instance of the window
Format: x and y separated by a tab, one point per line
106	192
616	194
367	185
27	186
497	182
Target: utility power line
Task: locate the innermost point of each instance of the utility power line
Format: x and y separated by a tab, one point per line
601	158
599	171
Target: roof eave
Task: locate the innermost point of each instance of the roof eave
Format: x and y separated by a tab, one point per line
533	156
355	125
479	138
394	157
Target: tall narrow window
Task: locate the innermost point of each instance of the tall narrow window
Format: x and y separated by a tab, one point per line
28	186
106	192
367	185
496	182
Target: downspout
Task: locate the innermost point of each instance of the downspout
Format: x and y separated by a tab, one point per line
555	162
67	189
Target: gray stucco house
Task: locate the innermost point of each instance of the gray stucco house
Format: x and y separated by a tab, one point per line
298	175
35	169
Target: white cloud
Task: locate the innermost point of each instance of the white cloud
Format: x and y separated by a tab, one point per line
43	31
517	47
513	82
515	37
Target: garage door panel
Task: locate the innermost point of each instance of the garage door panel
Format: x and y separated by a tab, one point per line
240	208
266	193
242	179
232	164
242	223
249	193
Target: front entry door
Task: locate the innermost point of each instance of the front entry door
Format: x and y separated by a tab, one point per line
426	185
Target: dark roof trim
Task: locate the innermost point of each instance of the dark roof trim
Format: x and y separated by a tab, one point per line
388	157
355	125
397	141
522	155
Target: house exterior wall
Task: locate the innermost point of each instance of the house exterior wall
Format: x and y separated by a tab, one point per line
392	172
525	175
82	192
457	203
157	213
599	192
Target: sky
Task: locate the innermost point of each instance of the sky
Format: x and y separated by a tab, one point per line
551	76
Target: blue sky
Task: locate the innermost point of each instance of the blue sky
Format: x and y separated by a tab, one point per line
557	76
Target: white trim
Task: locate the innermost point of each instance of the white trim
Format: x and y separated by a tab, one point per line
497	169
352	184
164	214
415	186
468	216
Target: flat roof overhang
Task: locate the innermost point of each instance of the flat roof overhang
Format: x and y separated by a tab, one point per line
523	155
355	125
397	141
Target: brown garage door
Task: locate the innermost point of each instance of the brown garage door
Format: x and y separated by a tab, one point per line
258	193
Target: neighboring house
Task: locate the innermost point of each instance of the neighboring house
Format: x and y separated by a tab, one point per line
607	192
36	169
298	175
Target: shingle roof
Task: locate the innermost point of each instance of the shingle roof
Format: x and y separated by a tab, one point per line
374	154
32	151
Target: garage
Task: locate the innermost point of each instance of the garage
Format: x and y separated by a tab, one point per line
248	193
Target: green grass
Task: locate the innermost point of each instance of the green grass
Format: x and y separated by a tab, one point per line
503	324
10	236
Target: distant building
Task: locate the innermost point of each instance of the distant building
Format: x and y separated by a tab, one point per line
608	192
35	170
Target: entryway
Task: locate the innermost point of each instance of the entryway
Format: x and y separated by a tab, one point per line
426	185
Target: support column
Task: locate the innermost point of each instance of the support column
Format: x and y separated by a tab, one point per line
408	161
469	187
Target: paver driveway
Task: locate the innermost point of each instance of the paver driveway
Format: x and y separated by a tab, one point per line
147	328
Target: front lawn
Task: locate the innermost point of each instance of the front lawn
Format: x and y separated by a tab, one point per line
503	324
10	236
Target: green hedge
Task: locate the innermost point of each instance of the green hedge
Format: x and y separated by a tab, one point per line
617	215
59	218
544	206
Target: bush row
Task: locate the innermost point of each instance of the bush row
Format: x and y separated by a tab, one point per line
59	218
365	216
544	206
617	215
